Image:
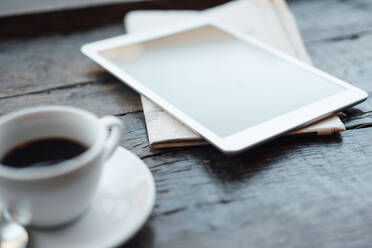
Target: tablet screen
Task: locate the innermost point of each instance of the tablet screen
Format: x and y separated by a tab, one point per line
222	82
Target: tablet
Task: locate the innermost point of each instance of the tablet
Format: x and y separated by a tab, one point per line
230	88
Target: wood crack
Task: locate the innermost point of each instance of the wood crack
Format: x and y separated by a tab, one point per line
127	113
172	211
197	205
157	153
350	36
49	90
165	163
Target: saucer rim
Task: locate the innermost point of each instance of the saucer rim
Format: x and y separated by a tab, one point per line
138	224
146	216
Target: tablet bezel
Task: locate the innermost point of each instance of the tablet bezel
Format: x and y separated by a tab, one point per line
246	138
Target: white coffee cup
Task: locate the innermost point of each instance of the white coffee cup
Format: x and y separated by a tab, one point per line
58	194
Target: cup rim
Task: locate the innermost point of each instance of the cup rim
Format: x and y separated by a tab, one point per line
61	168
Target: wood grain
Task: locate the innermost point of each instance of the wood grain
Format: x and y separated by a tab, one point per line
293	192
100	97
347	59
332	20
303	191
41	63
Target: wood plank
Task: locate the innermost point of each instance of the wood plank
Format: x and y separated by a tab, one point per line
135	136
293	192
346	59
340	46
101	98
332	19
39	63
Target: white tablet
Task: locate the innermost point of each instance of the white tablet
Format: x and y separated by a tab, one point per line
233	90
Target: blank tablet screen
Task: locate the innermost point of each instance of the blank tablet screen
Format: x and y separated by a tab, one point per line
222	82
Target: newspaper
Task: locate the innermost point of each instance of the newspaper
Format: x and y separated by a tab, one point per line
269	21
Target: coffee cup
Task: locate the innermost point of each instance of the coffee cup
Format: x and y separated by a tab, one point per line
54	195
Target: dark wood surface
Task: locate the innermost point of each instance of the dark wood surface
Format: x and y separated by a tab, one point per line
303	191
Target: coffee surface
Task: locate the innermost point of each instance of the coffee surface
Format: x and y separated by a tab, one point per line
43	152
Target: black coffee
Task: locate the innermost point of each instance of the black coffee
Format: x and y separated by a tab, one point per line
42	152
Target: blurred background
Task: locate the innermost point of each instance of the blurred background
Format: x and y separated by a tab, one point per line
30	17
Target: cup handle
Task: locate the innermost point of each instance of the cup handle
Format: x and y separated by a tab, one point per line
112	142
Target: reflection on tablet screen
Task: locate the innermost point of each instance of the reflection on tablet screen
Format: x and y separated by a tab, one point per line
225	84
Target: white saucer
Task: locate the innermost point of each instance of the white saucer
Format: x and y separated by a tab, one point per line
124	201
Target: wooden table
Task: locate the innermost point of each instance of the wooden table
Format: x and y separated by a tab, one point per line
303	191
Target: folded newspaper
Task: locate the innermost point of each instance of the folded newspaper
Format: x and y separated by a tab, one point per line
269	21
